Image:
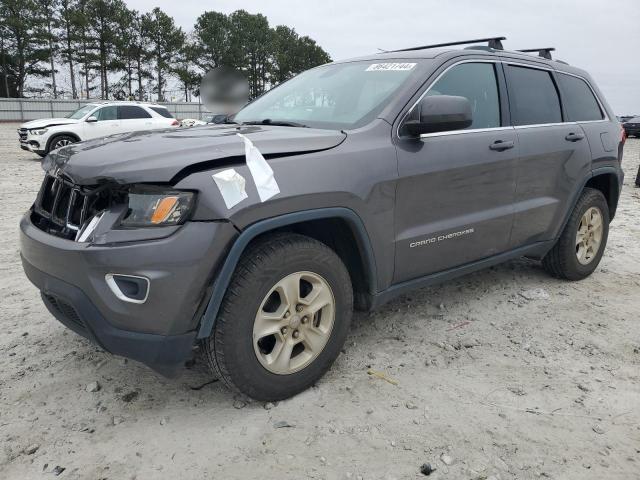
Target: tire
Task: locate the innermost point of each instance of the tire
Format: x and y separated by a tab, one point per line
60	141
233	350
563	261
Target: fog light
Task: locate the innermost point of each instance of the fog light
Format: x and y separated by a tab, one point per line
128	288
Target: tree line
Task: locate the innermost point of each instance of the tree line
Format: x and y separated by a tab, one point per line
103	49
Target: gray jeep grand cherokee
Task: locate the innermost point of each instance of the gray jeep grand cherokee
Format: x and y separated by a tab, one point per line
382	174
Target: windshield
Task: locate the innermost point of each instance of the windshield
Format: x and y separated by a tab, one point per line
336	96
81	112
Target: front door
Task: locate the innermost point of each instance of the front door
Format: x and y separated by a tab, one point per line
107	123
454	200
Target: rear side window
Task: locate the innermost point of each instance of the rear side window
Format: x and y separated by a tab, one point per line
533	96
126	112
477	82
106	113
162	111
579	102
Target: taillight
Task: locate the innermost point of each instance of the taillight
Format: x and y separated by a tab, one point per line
175	123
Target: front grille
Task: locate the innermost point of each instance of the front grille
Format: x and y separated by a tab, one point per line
22	133
65	310
62	208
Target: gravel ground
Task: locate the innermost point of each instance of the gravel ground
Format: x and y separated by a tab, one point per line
503	374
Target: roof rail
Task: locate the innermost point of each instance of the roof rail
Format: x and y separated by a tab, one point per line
493	42
542	52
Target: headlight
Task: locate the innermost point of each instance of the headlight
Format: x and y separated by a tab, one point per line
40	131
154	207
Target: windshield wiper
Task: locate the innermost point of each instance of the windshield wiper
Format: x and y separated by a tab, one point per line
279	123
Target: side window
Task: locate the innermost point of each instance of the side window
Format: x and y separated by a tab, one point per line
127	112
107	113
477	82
162	111
579	102
533	96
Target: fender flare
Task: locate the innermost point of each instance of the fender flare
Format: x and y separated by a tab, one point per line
223	277
576	196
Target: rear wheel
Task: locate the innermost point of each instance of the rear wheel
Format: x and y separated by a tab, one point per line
60	141
284	318
581	245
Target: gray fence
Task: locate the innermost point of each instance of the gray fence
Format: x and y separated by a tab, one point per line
23	109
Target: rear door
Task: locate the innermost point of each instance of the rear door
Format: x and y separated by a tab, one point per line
164	118
583	107
454	197
554	154
134	118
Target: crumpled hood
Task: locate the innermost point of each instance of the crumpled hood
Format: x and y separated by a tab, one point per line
47	122
160	155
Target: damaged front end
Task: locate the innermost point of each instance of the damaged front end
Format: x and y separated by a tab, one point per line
109	211
63	208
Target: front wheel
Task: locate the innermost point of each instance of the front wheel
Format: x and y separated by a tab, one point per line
284	318
579	249
61	141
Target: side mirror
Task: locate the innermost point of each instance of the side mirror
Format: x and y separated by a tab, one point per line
91	119
439	113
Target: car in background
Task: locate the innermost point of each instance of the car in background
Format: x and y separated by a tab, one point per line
215	118
96	119
632	127
208	118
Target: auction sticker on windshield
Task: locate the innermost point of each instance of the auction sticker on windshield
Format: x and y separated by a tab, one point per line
377	67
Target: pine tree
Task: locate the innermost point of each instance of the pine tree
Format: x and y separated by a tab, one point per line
22	42
166	41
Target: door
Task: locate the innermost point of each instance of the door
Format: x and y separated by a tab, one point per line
582	106
454	199
554	154
134	118
107	123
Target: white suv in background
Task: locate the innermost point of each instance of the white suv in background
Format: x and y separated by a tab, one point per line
94	120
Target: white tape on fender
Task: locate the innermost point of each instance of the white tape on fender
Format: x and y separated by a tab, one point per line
231	185
260	171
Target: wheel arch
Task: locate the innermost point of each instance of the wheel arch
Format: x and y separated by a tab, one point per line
606	182
350	241
56	135
608	178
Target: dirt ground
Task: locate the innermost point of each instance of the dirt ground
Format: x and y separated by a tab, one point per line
503	374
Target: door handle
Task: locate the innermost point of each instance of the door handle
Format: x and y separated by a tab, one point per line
574	137
499	145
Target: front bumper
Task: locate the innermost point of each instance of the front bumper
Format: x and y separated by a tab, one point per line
31	146
159	332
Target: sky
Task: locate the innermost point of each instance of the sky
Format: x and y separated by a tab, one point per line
600	36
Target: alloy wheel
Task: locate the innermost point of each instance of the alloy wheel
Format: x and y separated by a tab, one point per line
294	323
589	235
63	142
